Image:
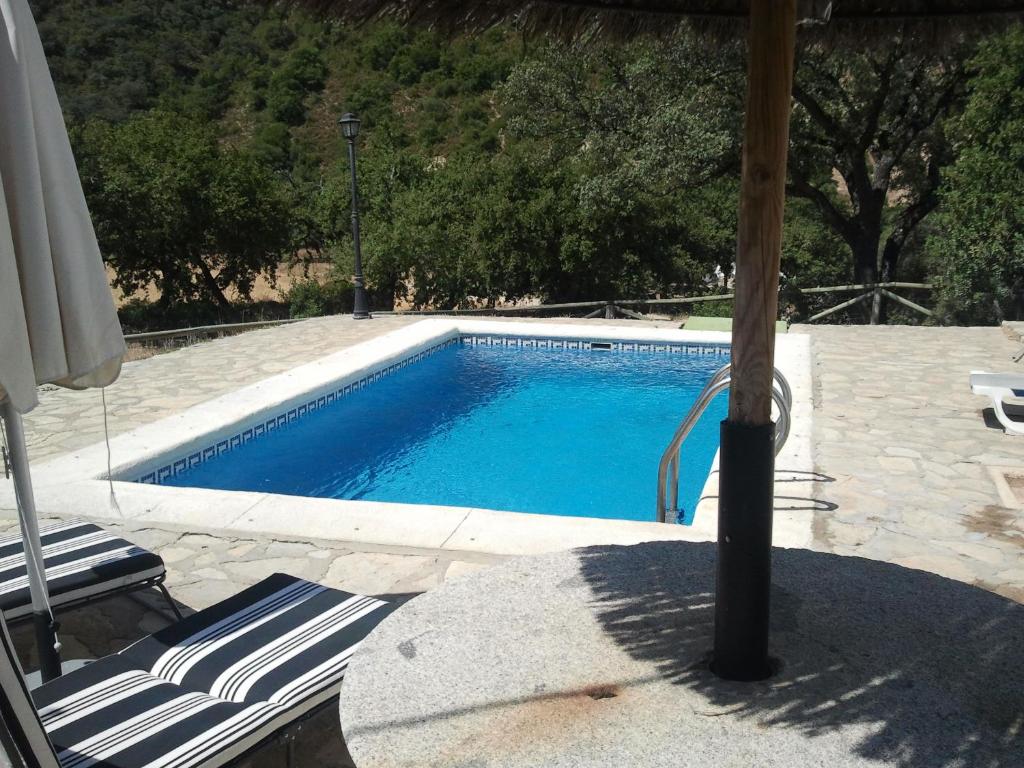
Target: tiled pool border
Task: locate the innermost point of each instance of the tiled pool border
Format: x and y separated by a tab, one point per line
251	432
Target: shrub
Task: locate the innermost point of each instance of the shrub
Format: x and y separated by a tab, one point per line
311	298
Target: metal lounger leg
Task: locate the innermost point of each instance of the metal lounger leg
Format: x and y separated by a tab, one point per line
169	599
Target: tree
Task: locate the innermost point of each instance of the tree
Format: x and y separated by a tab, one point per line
174	207
868	144
647	138
977	242
302	73
658	116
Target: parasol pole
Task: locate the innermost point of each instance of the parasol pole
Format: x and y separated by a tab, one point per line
42	615
747	437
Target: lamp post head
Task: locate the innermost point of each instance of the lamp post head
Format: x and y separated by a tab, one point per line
349	126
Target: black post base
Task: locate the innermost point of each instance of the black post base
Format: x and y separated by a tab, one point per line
46	642
746	478
361	306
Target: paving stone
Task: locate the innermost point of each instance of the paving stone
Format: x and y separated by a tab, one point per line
175	554
203	594
325	554
198	540
420	581
909	453
1012	591
951	567
210	573
373	573
289	549
1013	576
241	550
151	538
208	557
459	568
976	551
930	475
850	535
896	464
251	571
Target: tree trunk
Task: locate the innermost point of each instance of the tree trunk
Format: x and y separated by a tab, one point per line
865	259
210	283
166	283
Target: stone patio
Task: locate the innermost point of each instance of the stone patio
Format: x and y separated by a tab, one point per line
905	450
901	446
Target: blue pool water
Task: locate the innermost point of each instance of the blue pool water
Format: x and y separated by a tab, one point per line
561	432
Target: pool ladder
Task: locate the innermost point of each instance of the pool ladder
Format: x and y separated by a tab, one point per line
668	469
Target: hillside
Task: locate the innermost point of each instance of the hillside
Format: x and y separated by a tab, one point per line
491	167
275	81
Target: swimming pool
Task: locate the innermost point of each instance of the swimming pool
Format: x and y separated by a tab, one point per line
557	427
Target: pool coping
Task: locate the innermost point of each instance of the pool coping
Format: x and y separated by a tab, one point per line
75	484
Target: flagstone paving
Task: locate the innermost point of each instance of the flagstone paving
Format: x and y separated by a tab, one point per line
901	447
905	449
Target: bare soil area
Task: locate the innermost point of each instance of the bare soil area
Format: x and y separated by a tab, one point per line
287	276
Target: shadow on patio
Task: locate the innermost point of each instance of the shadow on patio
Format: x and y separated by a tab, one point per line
928	669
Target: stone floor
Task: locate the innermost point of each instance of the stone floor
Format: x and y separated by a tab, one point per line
901	445
904	449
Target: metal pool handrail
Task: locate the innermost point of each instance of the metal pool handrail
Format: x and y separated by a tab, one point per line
782	395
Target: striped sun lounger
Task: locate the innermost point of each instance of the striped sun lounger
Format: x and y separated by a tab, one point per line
203	691
83	563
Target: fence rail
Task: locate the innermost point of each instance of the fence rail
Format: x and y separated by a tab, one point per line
617	307
203	330
608	309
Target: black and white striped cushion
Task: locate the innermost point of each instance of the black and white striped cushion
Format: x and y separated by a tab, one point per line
208	688
25	743
82	560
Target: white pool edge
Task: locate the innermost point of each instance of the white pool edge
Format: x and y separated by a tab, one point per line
72	484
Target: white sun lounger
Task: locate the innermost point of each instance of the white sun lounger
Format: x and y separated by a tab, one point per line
997	387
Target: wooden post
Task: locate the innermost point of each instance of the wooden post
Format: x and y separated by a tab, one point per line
747	448
876	306
762	196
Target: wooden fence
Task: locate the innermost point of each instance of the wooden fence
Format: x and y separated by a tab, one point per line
619	307
608	309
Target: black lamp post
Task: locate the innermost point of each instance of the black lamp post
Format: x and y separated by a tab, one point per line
350	129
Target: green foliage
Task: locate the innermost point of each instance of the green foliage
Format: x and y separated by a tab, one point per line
115	57
301	74
713	308
651	116
493	169
868	144
140	316
978	245
311	298
812	256
173	206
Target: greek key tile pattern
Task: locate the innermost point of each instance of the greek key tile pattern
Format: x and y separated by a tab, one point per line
254	431
721	350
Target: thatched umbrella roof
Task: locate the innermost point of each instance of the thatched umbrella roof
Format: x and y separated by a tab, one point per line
626	18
